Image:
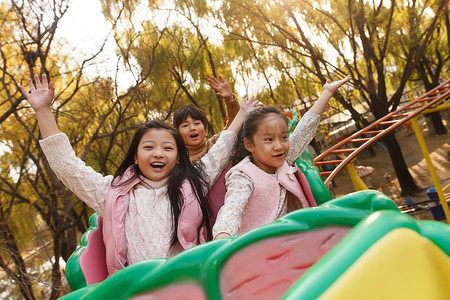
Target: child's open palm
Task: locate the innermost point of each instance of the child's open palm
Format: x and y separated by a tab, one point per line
41	94
221	87
333	86
249	105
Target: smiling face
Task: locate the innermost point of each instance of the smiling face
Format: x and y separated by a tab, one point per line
193	131
157	154
269	145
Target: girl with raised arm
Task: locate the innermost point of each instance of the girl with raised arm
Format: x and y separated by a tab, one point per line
264	185
154	205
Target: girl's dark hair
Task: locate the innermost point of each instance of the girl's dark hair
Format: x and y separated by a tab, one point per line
181	171
250	126
189	110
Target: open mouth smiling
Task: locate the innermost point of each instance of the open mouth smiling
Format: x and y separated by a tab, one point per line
157	165
194	135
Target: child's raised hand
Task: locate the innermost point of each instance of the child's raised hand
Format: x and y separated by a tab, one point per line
246	107
250	104
221	87
41	94
333	86
328	90
40	98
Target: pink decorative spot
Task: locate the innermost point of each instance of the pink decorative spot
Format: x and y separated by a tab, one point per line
266	269
328	243
302	267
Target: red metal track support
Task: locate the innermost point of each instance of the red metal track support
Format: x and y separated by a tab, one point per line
392	120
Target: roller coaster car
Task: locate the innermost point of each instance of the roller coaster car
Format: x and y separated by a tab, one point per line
358	246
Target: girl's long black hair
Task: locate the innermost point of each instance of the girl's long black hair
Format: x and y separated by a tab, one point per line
250	126
181	171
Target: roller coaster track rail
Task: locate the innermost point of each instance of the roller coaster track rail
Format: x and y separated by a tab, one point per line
378	129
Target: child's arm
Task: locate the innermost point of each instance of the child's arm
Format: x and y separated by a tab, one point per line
307	127
217	158
40	98
229	218
246	107
224	91
91	187
328	90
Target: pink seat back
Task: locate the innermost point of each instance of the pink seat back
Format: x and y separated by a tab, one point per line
216	195
306	188
93	258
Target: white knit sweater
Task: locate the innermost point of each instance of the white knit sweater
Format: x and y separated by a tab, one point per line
148	222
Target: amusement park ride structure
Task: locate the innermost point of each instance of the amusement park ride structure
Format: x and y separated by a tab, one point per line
435	100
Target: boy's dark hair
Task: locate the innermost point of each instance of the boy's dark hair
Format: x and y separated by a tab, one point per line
189	110
181	171
250	126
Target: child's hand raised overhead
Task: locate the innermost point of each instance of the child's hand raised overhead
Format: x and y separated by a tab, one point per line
221	87
40	98
41	94
328	90
247	105
333	86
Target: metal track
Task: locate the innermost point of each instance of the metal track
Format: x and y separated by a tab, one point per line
378	129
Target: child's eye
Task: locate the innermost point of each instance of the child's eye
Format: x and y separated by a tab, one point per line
284	138
148	147
168	148
198	123
268	139
184	125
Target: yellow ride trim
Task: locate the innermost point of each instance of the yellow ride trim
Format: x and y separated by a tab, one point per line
400	265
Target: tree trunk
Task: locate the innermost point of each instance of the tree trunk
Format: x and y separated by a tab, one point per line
435	125
405	179
434	120
20	276
56	273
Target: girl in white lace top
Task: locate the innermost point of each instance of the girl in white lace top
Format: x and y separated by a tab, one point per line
269	148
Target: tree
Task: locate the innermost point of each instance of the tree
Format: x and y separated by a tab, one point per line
185	54
20	55
95	116
433	63
361	34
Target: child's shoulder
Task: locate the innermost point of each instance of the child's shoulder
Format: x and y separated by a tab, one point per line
245	161
243	167
238	178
